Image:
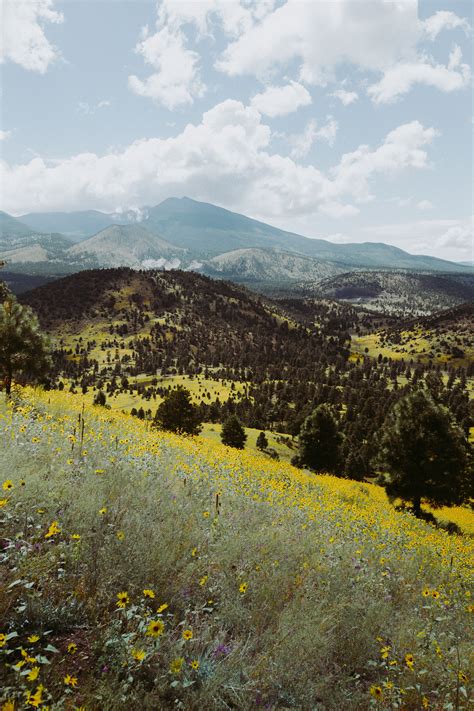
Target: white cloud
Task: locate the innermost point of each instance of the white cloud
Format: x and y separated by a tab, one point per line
425	205
176	80
338	238
303	142
281	100
225	159
346	97
22	37
86	109
400	78
5	135
162	263
443	20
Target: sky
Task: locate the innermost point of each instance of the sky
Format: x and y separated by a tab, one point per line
347	120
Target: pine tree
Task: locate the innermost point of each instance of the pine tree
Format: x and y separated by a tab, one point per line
24	351
320	441
425	453
262	441
233	434
178	414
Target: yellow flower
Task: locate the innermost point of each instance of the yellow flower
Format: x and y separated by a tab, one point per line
425	702
33	675
103	510
100	471
388	684
426	592
120	535
384	652
149	593
194	664
35	699
72	648
76	537
203	580
8	706
162	607
462	677
122	599
194	552
3	502
187	635
35	440
52	530
409	661
206	514
243	587
70	681
176	665
376	692
435	594
155	628
33	638
7	485
138	654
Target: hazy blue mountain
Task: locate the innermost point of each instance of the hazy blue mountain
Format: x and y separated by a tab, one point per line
11	227
76	225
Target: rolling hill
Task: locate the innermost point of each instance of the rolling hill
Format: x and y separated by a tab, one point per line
397	293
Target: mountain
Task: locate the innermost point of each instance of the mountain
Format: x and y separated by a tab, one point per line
397	293
76	225
11	227
20	283
265	267
125	245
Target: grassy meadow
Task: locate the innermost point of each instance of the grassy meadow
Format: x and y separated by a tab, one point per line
142	570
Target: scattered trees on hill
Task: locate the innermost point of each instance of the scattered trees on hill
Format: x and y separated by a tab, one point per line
24	351
178	414
425	453
233	434
320	441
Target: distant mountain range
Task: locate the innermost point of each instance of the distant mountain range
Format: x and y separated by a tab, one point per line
180	232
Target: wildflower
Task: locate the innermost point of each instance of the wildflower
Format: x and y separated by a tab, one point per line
35	440
388	684
122	599
72	648
35	699
194	664
187	635
138	654
384	652
120	535
155	628
149	593
99	471
103	510
33	675
425	702
409	661
3	502
435	594
33	638
376	692
194	552
162	607
8	706
243	587
176	665
52	530
462	677
204	580
7	485
470	608
70	681
206	514
426	592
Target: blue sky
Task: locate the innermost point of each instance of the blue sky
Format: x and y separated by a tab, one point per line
349	120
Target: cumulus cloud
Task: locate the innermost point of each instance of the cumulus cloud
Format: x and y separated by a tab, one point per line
443	20
225	159
86	109
22	38
281	100
400	78
5	135
425	205
303	142
345	97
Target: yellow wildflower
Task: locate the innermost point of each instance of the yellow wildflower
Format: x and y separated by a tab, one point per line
187	635
376	692
149	593
52	530
120	535
70	681
155	628
194	664
33	675
138	654
33	638
122	599
162	607
176	665
7	485
3	502
243	587
72	648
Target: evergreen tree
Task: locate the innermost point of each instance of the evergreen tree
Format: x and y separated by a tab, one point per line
233	434
178	414
262	441
24	351
100	398
425	453
320	441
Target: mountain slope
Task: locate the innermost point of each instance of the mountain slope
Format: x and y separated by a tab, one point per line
398	293
76	225
11	228
123	245
266	266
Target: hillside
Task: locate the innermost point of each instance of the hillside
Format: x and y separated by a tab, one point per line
123	246
268	266
163	572
402	294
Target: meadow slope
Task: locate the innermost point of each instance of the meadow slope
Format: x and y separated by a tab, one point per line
144	570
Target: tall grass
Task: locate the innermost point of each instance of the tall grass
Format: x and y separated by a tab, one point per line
294	591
